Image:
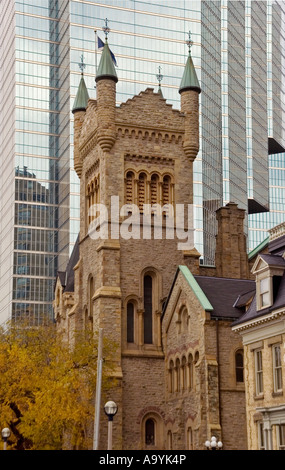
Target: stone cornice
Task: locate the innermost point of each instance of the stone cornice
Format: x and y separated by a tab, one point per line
277	231
260	320
150	133
137	132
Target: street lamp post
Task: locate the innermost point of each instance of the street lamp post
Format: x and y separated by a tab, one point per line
5	434
110	409
213	444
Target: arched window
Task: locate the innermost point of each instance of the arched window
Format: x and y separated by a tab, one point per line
184	373
166	190
154	192
93	197
150	432
239	366
130	322
129	188
184	320
148	309
88	321
177	370
190	371
141	191
171	377
196	357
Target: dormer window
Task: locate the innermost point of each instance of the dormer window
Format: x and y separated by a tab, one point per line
269	270
264	296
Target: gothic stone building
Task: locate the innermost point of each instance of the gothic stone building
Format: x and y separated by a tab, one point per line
178	364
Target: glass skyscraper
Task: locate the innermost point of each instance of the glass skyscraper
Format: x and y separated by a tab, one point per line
238	55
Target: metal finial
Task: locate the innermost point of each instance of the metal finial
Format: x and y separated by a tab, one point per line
106	29
159	76
189	42
81	64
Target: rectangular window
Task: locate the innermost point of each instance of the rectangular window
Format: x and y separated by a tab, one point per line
258	372
261	444
264	292
277	368
281	436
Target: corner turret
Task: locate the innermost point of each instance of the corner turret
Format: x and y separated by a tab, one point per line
79	110
189	91
106	79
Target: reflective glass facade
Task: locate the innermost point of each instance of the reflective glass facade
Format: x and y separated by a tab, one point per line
42	41
259	223
35	154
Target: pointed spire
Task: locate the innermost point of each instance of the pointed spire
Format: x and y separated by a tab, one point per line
82	96
106	67
159	78
189	80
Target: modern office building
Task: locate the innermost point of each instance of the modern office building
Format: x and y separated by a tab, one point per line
237	50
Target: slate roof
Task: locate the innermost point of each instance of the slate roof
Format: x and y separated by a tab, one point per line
61	275
227	296
277	246
273	260
223	298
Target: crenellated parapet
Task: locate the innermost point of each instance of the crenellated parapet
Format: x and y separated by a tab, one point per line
150	135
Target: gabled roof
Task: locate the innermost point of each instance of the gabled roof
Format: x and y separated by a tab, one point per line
273	260
201	296
265	261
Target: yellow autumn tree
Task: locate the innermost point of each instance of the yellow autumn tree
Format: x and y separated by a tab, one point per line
47	388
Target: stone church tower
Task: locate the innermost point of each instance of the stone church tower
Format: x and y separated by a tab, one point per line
135	274
141	152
